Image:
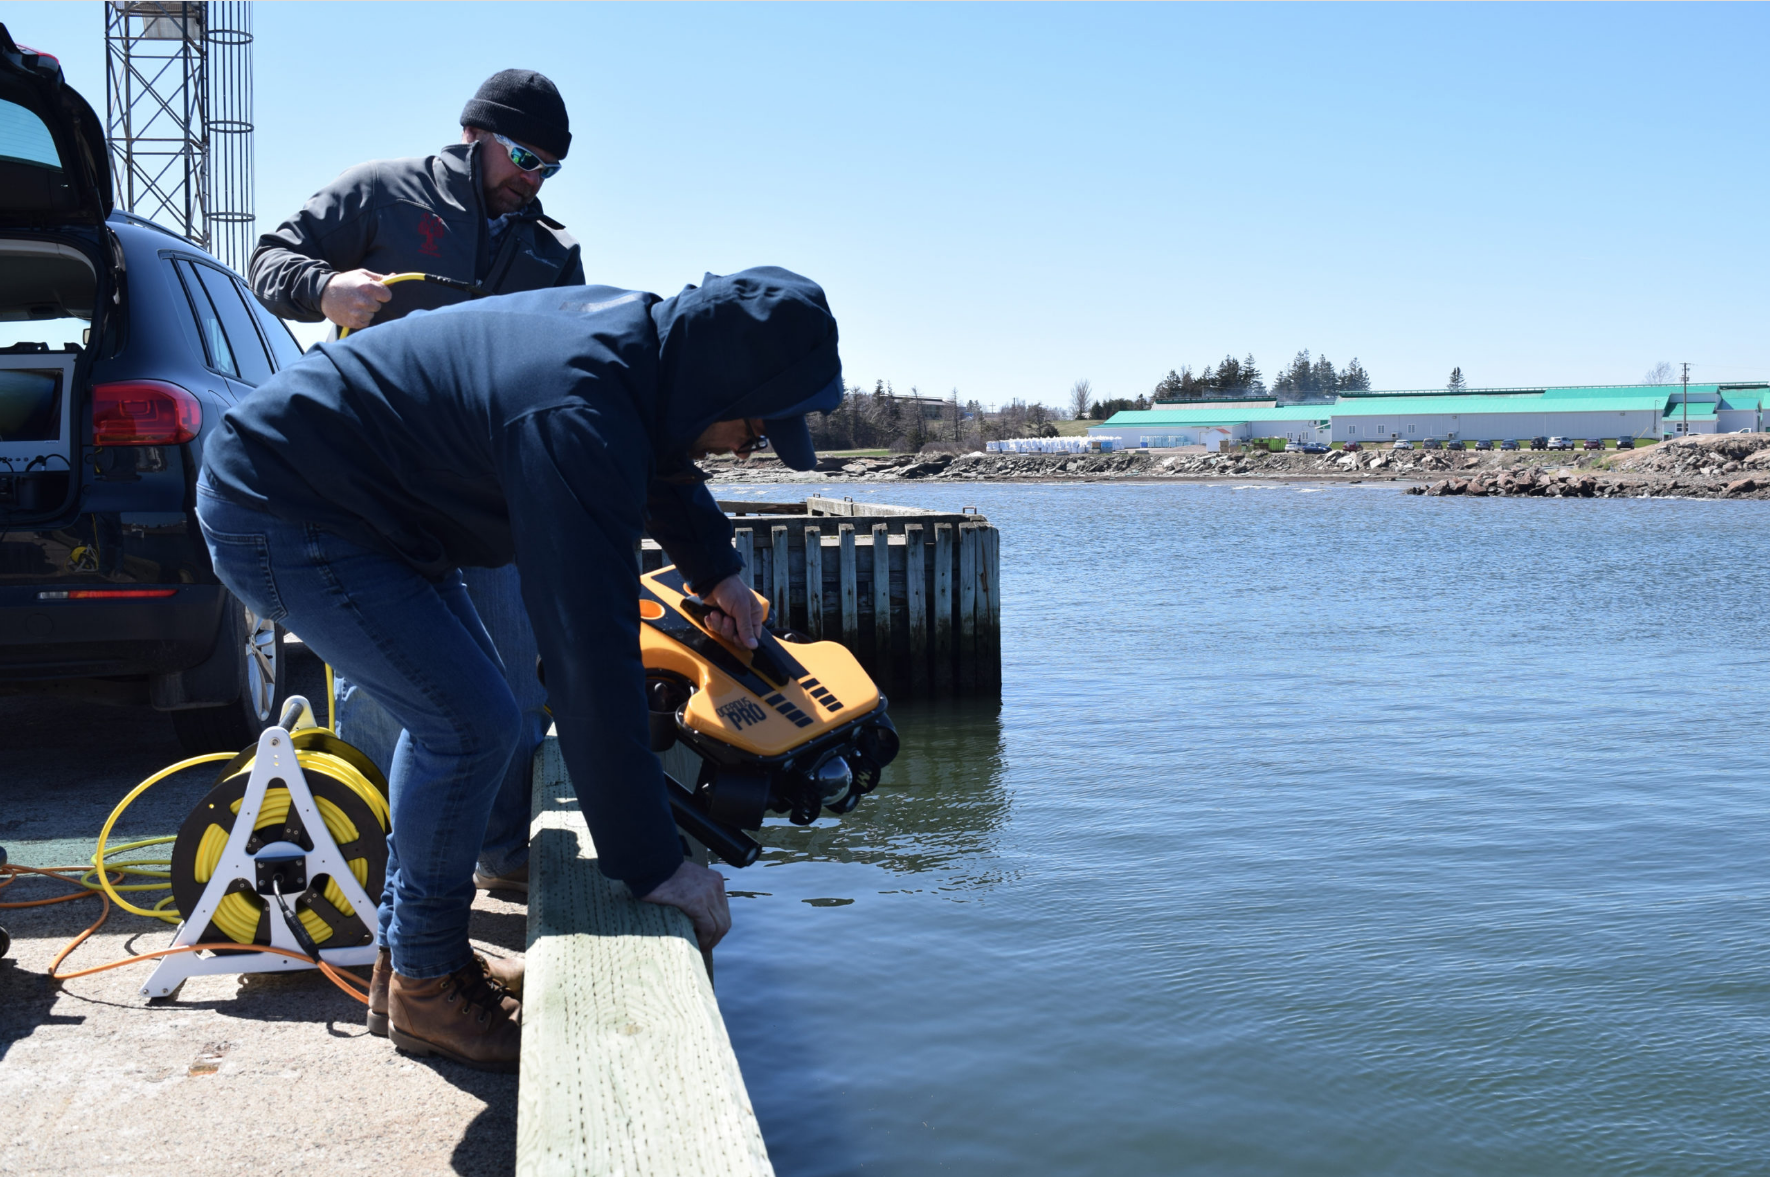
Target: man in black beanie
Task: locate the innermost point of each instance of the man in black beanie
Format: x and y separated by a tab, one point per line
469	212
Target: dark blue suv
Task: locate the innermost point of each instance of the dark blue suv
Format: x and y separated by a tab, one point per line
121	345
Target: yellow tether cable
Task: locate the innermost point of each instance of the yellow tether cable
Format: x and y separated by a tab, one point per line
105	834
415	276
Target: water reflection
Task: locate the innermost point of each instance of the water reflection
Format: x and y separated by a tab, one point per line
938	811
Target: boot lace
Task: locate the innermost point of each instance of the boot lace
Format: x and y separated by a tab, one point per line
479	991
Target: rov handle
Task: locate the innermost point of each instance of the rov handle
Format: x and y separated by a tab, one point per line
769	659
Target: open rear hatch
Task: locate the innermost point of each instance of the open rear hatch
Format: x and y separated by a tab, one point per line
55	193
54	172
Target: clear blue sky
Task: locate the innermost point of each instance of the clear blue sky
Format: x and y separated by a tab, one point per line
1003	199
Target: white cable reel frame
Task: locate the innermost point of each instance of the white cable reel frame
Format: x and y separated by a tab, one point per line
274	765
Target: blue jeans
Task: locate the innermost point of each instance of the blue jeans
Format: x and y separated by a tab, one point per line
496	594
420	648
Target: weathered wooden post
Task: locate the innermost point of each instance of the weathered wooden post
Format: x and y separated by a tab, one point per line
943	608
989	626
882	660
968	571
780	601
745	544
814	583
849	593
915	606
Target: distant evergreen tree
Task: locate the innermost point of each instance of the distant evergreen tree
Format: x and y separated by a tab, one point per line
1355	378
1251	375
1322	377
1103	409
1171	387
1457	383
1297	376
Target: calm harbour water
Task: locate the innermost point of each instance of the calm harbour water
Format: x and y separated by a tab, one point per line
1317	831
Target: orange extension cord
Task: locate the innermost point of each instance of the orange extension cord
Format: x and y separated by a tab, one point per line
349	982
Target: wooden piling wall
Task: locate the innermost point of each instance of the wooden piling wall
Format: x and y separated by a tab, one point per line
925	619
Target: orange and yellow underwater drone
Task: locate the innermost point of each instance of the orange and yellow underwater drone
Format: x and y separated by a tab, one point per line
793	726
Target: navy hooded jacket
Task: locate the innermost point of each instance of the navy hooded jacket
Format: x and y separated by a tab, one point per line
547	428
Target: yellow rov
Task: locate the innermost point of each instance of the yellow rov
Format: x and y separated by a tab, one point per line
793	726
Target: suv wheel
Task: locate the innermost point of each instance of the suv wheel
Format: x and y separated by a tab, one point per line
263	682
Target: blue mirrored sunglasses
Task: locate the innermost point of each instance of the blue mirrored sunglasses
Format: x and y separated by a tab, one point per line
527	160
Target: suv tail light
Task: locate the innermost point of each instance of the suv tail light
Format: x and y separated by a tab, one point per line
144	412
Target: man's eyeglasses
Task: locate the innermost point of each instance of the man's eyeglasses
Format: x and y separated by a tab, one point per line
527	160
756	441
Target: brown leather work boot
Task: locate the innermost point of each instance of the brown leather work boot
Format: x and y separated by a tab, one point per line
378	993
463	1017
515	883
505	970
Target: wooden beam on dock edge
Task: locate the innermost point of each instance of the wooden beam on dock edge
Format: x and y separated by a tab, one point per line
626	1064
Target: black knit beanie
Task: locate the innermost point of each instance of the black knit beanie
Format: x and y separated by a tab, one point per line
522	105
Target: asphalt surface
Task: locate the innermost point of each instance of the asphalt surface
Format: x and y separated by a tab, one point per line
262	1074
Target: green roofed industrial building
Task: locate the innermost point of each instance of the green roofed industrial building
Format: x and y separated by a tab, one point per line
1640	411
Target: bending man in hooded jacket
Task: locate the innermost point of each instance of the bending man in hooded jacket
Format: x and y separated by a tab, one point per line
546	429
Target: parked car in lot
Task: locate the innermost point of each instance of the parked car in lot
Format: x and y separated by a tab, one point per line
1455	445
1484	444
1403	444
1511	443
1625	443
1539	443
1351	447
1307	447
109	387
1432	443
1594	443
1560	443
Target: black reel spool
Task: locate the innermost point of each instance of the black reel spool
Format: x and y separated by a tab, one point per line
217	809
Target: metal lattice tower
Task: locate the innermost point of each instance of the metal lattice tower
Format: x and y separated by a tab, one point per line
178	88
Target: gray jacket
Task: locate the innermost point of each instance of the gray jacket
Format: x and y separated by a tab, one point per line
398	215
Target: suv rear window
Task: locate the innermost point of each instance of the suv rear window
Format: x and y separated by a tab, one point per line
24	138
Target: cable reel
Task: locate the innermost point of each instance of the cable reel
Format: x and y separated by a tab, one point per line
296	885
352	800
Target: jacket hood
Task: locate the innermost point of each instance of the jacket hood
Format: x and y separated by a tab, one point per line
750	344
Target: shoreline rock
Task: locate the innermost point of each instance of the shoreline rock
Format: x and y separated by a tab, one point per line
1733	466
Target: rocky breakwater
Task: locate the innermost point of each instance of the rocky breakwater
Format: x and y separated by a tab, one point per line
1725	465
1730	465
950	467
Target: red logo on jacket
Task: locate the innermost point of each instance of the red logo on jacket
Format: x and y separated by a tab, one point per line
431	227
